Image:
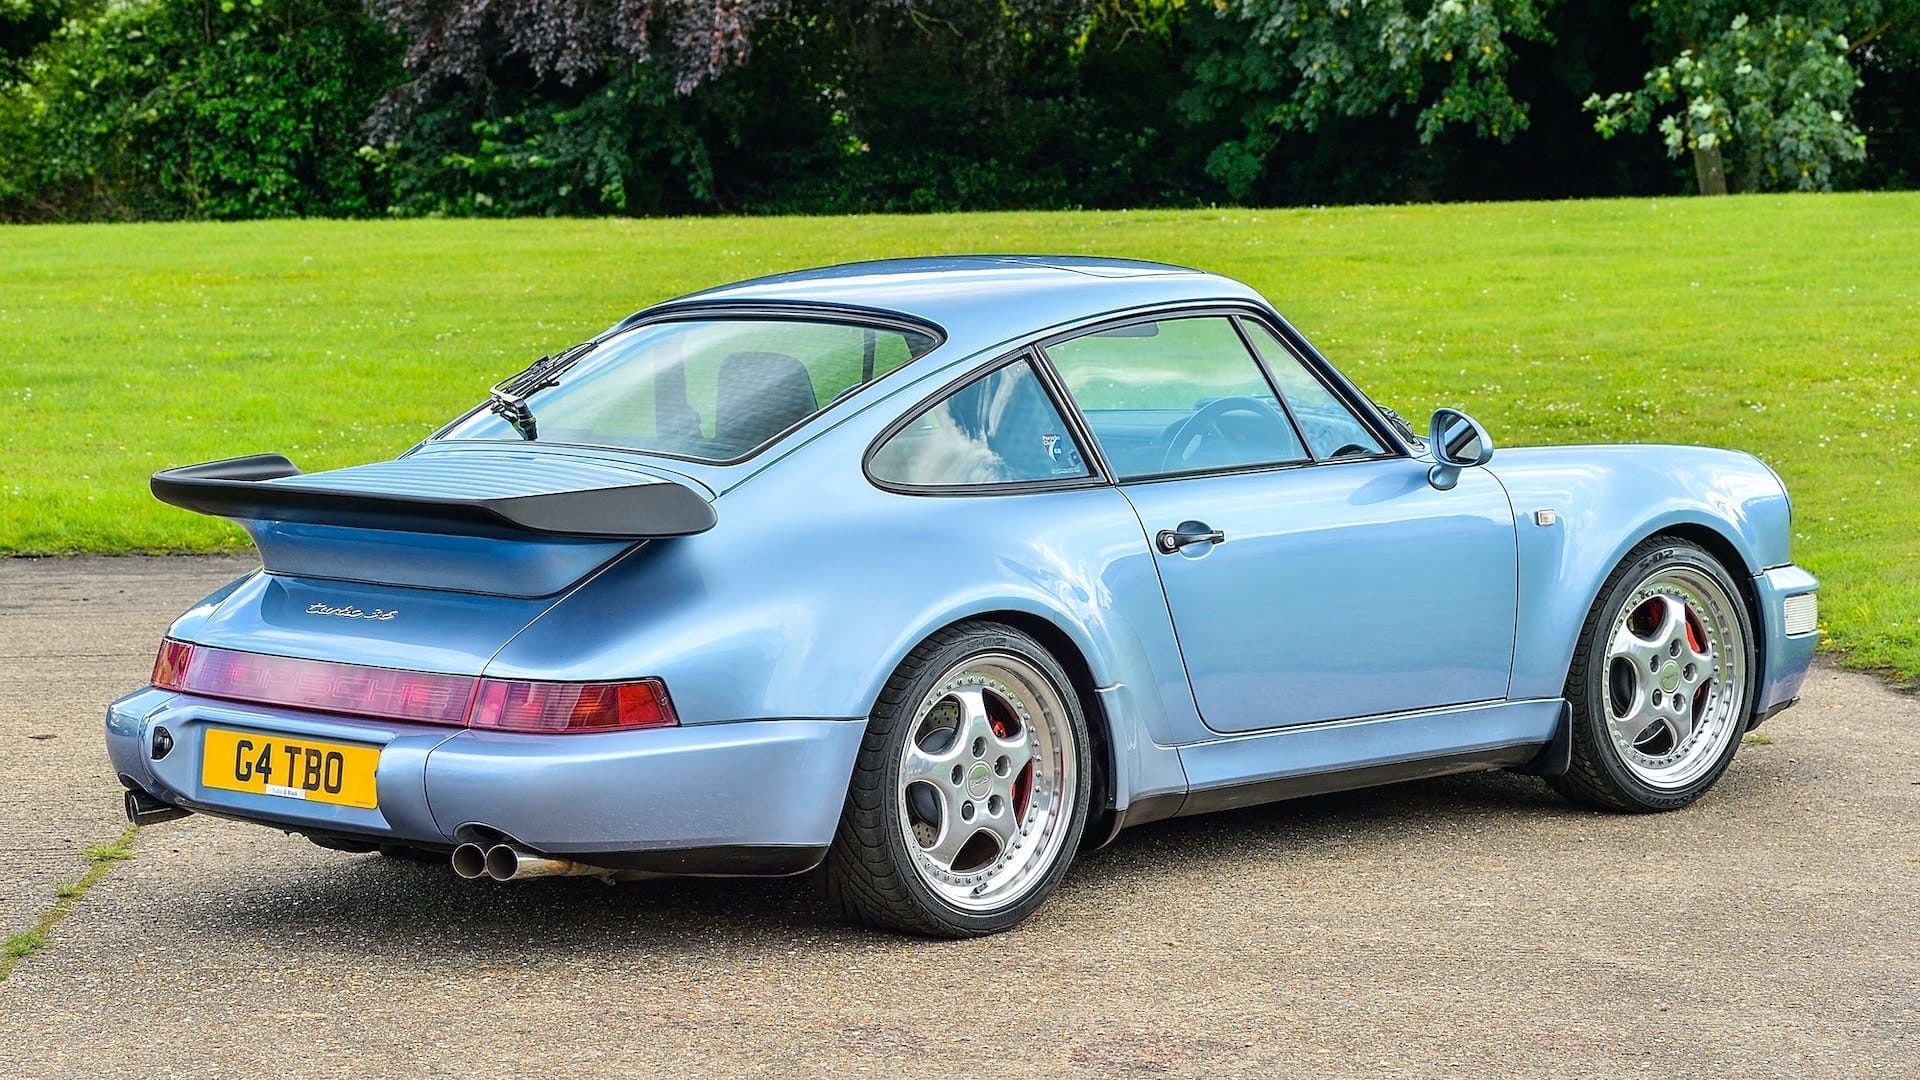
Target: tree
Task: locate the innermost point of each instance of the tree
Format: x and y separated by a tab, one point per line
1304	62
568	39
832	105
1770	86
193	108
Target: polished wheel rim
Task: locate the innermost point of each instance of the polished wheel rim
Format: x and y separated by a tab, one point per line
988	776
1675	677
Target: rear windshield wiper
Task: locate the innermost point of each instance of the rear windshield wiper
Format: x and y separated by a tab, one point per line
508	400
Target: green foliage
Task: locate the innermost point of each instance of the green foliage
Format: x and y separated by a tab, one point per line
1887	106
116	851
1295	64
24	26
625	146
25	943
259	108
1770	85
1036	105
196	108
1776	93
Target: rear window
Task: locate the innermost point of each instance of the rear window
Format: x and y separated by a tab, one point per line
712	390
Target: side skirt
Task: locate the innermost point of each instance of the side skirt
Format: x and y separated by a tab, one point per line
1295	787
1318	758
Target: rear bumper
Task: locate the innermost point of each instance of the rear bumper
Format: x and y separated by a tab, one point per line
758	796
1786	644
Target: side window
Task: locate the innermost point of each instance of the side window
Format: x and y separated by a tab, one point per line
1177	395
1001	428
1331	428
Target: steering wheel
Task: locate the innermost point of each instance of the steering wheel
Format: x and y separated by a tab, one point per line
1205	421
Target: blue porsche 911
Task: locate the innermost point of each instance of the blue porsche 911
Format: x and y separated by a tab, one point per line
931	573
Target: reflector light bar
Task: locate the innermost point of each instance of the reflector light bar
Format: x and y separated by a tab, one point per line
415	696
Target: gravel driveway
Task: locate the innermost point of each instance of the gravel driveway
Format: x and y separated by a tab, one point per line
1458	927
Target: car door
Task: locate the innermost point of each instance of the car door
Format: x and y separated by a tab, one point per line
1311	570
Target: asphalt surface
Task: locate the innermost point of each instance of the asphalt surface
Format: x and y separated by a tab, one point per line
1460	927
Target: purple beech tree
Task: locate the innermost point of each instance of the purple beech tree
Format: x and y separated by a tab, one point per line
568	39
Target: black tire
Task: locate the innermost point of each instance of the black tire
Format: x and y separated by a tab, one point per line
1599	775
871	877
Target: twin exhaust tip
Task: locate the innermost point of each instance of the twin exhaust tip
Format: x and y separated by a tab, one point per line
504	862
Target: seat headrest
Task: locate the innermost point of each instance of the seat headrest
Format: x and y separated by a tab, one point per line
759	395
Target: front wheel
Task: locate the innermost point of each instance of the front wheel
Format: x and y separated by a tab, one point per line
970	792
1662	682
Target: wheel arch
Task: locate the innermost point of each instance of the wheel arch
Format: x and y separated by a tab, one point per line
1559	589
1718	540
1072	657
1721	546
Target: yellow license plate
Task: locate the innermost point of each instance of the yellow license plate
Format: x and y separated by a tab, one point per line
292	768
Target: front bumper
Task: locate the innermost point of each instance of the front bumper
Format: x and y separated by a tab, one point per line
1788	636
759	796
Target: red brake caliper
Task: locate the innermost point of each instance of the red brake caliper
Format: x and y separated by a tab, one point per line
1022	784
1694	643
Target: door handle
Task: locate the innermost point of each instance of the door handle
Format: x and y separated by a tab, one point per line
1190	532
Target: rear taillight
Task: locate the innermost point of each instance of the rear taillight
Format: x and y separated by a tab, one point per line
170	667
387	693
416	696
506	705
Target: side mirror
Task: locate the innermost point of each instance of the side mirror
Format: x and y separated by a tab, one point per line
1458	442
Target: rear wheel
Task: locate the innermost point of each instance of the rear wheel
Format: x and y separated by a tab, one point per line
1662	683
970	792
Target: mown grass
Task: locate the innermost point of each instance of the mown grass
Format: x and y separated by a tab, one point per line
1786	326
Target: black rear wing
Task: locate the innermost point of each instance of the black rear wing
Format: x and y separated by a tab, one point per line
242	488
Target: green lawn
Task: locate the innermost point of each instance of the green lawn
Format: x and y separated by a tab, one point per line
1785	326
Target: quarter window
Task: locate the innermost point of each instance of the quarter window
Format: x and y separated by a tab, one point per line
1330	427
1001	428
1175	396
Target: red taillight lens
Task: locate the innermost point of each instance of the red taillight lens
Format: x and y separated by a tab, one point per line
170	667
512	705
417	696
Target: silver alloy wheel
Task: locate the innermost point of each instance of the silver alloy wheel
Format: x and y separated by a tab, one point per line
1675	677
989	772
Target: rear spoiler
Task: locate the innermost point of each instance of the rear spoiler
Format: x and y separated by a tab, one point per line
243	488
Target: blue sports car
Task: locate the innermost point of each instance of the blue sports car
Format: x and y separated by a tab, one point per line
931	573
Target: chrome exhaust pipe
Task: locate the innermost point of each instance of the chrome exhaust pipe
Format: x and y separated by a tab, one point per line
470	861
508	863
144	809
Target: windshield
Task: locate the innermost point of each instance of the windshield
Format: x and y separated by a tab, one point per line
712	390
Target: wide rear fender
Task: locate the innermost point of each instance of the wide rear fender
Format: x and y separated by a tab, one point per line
807	595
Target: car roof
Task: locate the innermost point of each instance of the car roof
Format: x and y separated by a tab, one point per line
981	298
